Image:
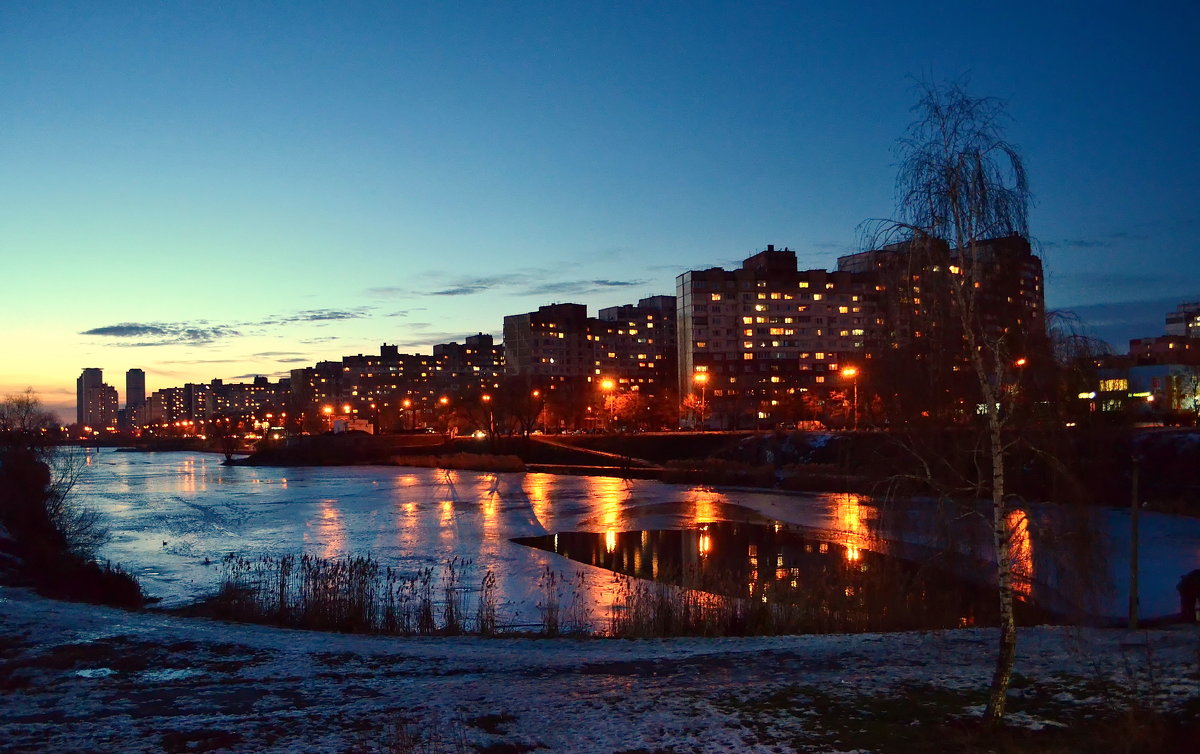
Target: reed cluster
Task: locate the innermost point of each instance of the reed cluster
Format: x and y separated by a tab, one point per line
355	595
358	595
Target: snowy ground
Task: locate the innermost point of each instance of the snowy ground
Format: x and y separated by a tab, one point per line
82	678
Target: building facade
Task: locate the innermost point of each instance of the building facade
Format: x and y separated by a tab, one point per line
766	343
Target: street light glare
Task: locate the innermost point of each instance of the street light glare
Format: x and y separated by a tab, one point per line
850	372
607	384
700	378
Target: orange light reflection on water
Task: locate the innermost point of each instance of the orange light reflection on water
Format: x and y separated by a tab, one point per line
608	496
1020	551
706	504
537	490
331	529
854	534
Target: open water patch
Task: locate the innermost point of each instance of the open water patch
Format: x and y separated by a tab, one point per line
835	586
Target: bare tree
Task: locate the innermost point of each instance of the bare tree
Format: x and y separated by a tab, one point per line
961	185
24	423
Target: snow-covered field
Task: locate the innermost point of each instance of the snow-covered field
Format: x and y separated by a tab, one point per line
82	678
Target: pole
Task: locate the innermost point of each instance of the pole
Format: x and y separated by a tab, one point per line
856	403
1133	545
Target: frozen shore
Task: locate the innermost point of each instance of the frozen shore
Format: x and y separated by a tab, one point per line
82	678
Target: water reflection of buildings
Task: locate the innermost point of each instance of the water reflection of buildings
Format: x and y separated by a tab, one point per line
839	586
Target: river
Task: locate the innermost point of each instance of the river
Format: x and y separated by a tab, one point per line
175	515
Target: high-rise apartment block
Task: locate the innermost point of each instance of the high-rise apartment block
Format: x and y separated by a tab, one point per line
135	388
96	402
1009	296
90	377
1184	322
555	343
764	334
635	345
475	364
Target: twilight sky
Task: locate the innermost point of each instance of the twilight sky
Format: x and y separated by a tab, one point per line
212	189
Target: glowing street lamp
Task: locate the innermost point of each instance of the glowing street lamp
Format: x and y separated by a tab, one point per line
701	379
851	373
406	404
607	385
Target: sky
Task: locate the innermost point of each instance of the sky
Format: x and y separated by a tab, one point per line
220	190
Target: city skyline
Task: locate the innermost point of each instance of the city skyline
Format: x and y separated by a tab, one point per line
221	193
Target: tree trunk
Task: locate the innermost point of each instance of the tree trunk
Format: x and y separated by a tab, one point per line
1007	653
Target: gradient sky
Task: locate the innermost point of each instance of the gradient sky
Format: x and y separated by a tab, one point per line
207	189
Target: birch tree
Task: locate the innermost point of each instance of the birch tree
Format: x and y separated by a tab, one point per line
961	184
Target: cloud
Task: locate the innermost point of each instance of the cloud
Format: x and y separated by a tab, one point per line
466	286
389	291
1119	321
127	330
295	360
833	246
462	290
314	315
578	287
1116	238
253	375
271	354
163	333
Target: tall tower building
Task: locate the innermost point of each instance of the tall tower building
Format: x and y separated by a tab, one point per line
92	377
135	388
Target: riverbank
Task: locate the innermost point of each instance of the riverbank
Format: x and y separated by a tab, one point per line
1092	465
77	677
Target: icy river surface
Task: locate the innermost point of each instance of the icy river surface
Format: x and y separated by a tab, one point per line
174	516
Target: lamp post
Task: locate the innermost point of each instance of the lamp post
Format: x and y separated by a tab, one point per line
608	385
487	401
536	395
701	379
328	411
407	404
851	373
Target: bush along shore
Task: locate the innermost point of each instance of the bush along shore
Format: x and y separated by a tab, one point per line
47	540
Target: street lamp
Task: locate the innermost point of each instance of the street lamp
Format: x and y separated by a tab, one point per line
407	404
851	373
701	379
607	385
328	411
444	402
